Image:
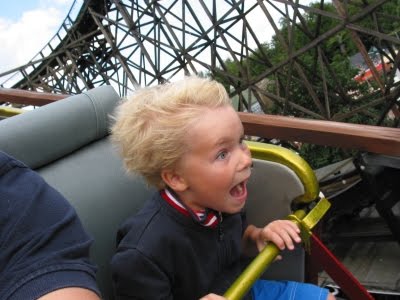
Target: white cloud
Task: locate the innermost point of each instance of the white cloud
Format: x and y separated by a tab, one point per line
21	40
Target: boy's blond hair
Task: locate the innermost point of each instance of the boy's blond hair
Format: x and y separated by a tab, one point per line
152	127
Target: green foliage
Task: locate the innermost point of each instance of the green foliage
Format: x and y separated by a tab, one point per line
319	156
336	72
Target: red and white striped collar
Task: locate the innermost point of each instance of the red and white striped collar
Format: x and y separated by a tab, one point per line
207	218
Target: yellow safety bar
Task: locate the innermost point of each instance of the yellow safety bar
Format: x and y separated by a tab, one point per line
293	161
306	220
7	111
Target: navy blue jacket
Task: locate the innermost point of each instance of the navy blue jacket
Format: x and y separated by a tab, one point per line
163	254
43	246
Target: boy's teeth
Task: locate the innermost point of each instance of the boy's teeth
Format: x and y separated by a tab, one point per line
238	190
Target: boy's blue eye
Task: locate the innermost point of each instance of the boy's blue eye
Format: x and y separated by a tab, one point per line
222	155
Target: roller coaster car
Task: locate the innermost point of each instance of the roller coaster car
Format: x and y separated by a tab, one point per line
371	181
67	143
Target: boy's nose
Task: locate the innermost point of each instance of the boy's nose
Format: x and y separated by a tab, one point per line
246	160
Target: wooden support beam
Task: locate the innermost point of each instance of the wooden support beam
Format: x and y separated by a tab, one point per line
28	97
375	139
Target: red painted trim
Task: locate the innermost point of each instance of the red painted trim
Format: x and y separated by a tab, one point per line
337	271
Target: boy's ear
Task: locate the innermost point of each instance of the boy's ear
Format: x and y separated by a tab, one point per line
173	180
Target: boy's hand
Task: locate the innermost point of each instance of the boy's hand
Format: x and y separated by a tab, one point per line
212	297
283	233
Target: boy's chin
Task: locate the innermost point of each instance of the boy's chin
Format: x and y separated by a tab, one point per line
234	209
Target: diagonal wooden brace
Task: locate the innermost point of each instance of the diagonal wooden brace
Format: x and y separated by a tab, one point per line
337	271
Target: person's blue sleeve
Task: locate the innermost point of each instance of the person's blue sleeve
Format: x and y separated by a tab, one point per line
43	246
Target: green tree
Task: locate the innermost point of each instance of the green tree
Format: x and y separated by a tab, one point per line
321	79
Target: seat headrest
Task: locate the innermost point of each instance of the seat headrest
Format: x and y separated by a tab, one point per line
48	133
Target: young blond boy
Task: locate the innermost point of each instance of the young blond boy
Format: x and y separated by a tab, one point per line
186	140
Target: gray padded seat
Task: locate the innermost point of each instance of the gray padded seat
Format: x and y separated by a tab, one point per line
66	142
272	187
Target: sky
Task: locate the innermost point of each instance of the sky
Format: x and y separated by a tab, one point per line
26	27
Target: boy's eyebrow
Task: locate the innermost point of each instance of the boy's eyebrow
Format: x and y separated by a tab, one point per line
226	139
223	141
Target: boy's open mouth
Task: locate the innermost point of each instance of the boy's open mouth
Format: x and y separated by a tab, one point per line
238	190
